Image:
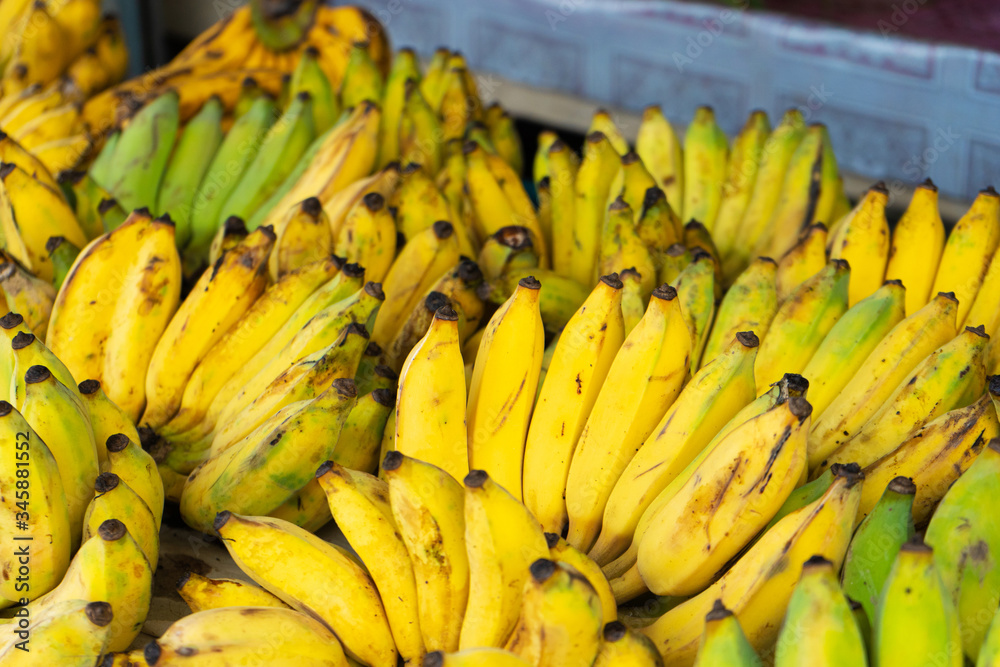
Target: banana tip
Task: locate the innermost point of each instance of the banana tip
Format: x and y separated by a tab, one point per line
88	387
542	569
11	320
37	374
151	653
99	613
221	519
117	442
106	481
615	631
22	340
5	408
718	612
112	530
392	461
529	282
433	659
903	486
324	468
476	479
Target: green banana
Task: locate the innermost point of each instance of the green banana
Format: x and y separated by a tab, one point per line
309	77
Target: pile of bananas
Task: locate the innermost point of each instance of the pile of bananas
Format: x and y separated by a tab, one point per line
55	55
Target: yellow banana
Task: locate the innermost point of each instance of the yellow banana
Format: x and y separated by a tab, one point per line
503	387
863	241
633	306
917	244
802	322
405	66
622	248
368	237
658	226
23	293
695	286
430	405
504	136
645	378
562	165
625	647
741	176
474	657
749	305
662	153
967	253
313	577
898	353
631	184
73	633
134	466
428	505
360	506
706	152
420	129
420	204
305	239
712	397
602	122
563	552
114	499
201	593
591	187
803	261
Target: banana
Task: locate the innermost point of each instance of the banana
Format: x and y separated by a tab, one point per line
560	298
964	544
428	506
861	619
62	254
38	211
633	306
934	456
849	343
305	239
457	104
11	325
563	166
134	466
560	618
577	371
758	586
898	353
308	377
723	643
309	77
602	122
60	421
74	633
231	161
540	167
27	350
279	304
280	149
109	566
246	635
368	237
250	92
150	292
749	305
142	152
591	188
695	286
362	79
741	176
951	377
819	626
86	195
12	15
739	470
474	657
982	313
706	152
80	21
917	245
502	540
643	382
40	54
34	503
360	506
571	557
111	214
421	262
219	299
806	192
201	593
22	292
313	577
916	622
114	499
503	387
52	125
421	204
875	544
192	157
863	241
967	253
658	226
988	656
776	156
707	403
698	239
631	184
621	247
11	151
103	167
65	153
509	249
802	323
420	130
504	136
405	66
625	647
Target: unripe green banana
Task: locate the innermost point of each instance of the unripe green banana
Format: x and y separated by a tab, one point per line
723	643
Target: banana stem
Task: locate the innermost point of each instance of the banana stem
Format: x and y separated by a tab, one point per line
282	24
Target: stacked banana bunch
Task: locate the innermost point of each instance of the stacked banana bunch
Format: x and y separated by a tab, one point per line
55	55
82	506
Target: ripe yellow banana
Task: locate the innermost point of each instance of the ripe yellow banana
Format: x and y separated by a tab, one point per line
658	225
504	136
695	286
503	387
758	586
73	633
560	618
706	152
405	66
645	378
967	253
622	248
633	306
313	577
802	322
707	403
749	305
563	552
502	540
360	505
37	548
135	467
362	81
420	130
368	237
625	647
594	178
741	176
916	623
114	499
631	184
892	359
305	239
562	167
428	505
935	455
917	244
849	343
951	377
863	241
431	399
662	153
732	494
420	203
474	657
25	294
201	593
579	365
